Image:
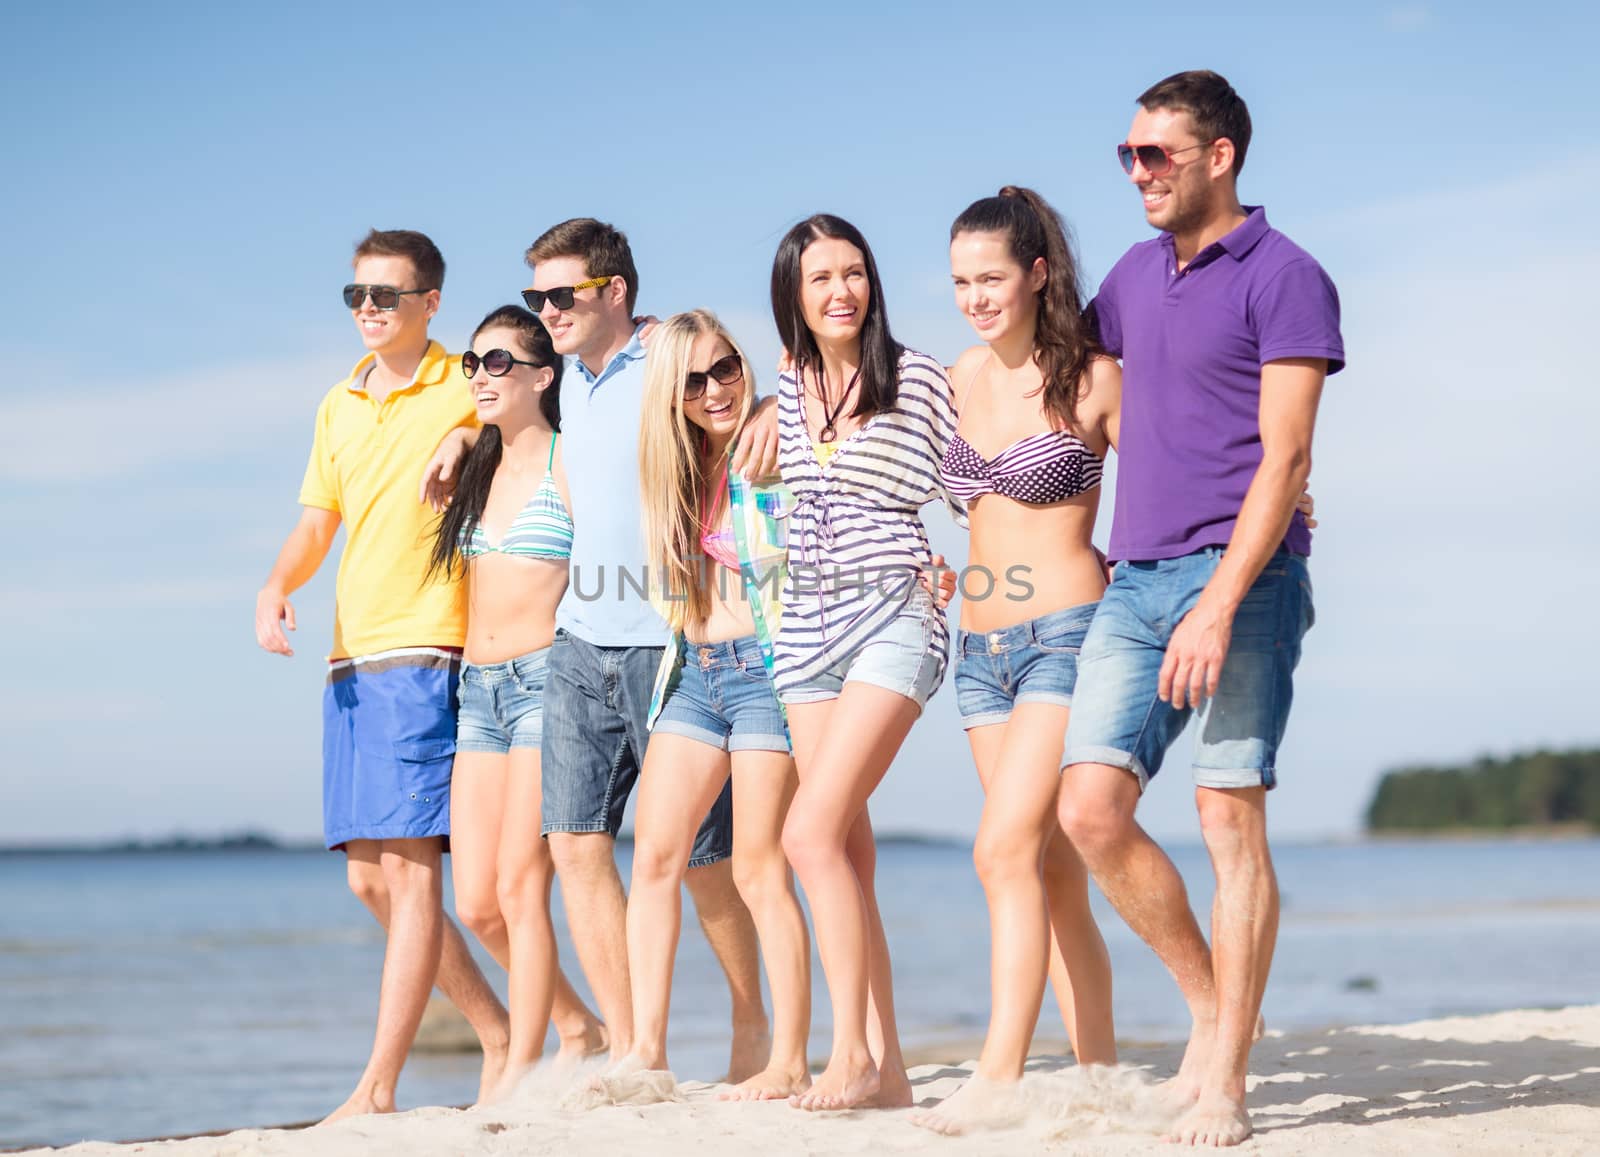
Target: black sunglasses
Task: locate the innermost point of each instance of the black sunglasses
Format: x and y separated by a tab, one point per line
1156	160
562	296
726	370
495	363
384	297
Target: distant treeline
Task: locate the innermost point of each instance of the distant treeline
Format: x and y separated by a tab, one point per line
1540	789
236	842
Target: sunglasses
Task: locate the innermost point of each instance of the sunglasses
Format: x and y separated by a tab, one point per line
560	297
1156	160
495	363
384	297
726	370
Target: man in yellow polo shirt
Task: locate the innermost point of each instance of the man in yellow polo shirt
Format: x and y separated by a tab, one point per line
388	711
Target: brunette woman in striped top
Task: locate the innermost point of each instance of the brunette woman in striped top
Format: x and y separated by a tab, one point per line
863	423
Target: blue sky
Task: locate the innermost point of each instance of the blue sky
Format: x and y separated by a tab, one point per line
186	183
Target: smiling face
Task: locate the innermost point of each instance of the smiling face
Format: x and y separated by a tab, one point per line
721	408
1184	198
586	324
512	399
405	326
997	295
834	290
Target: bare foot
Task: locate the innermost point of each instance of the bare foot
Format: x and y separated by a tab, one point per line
1213	1122
894	1089
978	1104
1177	1096
360	1104
491	1079
631	1081
752	1048
580	1046
774	1083
842	1085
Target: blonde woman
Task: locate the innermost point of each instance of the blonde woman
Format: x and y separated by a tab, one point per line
717	554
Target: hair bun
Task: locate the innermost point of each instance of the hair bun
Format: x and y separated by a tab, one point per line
1009	191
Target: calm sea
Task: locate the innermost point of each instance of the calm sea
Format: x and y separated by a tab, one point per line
145	995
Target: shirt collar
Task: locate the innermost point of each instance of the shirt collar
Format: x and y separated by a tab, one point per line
1236	243
632	352
432	369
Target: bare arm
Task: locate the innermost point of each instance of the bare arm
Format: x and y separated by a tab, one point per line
1290	391
439	475
756	456
307	545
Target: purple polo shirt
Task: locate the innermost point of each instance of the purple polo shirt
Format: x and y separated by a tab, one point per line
1192	345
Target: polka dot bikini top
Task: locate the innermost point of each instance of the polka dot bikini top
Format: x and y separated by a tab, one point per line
1051	466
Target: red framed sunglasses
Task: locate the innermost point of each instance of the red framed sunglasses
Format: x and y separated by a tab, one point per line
1157	161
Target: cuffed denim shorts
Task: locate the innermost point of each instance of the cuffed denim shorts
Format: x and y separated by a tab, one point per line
596	702
1031	662
502	704
904	658
1117	717
724	698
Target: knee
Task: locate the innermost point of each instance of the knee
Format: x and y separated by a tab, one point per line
657	865
1094	822
1002	857
480	912
1231	827
521	887
366	884
807	842
761	879
580	856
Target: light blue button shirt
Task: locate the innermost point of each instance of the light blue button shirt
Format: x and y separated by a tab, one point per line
600	450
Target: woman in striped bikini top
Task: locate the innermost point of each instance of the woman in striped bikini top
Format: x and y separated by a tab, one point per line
1051	466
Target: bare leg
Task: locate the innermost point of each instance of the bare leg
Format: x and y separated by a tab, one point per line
1022	777
1244	931
677	786
843	748
764	783
883	1033
1084	987
587	867
1096	811
539	991
411	875
731	932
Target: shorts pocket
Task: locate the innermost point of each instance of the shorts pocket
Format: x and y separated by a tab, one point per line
1063	640
424	766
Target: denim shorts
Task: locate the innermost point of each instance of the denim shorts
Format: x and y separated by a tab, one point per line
596	702
1117	718
502	704
724	697
904	658
1032	662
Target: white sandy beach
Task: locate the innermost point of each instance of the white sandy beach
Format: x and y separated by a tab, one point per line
1513	1082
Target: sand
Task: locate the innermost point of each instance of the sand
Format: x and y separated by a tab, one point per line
1509	1083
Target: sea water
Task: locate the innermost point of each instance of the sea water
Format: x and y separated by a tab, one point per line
150	994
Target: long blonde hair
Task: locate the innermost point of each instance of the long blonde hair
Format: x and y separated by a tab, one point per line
674	475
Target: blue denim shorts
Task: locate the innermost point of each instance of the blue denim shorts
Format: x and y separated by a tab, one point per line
1031	662
502	704
904	657
596	702
1118	719
723	697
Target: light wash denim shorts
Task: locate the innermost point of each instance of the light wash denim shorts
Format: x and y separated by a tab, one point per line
723	697
1031	662
502	704
904	657
1119	720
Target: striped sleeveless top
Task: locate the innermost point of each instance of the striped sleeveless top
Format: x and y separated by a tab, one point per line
856	539
541	529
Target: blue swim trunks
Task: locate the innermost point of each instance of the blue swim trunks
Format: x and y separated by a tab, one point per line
388	742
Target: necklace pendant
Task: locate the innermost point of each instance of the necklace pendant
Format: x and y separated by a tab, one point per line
826	434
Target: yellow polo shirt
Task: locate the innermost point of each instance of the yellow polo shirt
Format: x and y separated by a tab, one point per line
366	465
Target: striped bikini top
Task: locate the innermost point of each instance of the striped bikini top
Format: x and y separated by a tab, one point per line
542	529
1051	466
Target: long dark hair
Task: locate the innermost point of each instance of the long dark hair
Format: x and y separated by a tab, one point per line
1063	342
880	353
461	517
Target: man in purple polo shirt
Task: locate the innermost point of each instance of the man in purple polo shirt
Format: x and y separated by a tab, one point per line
1226	330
